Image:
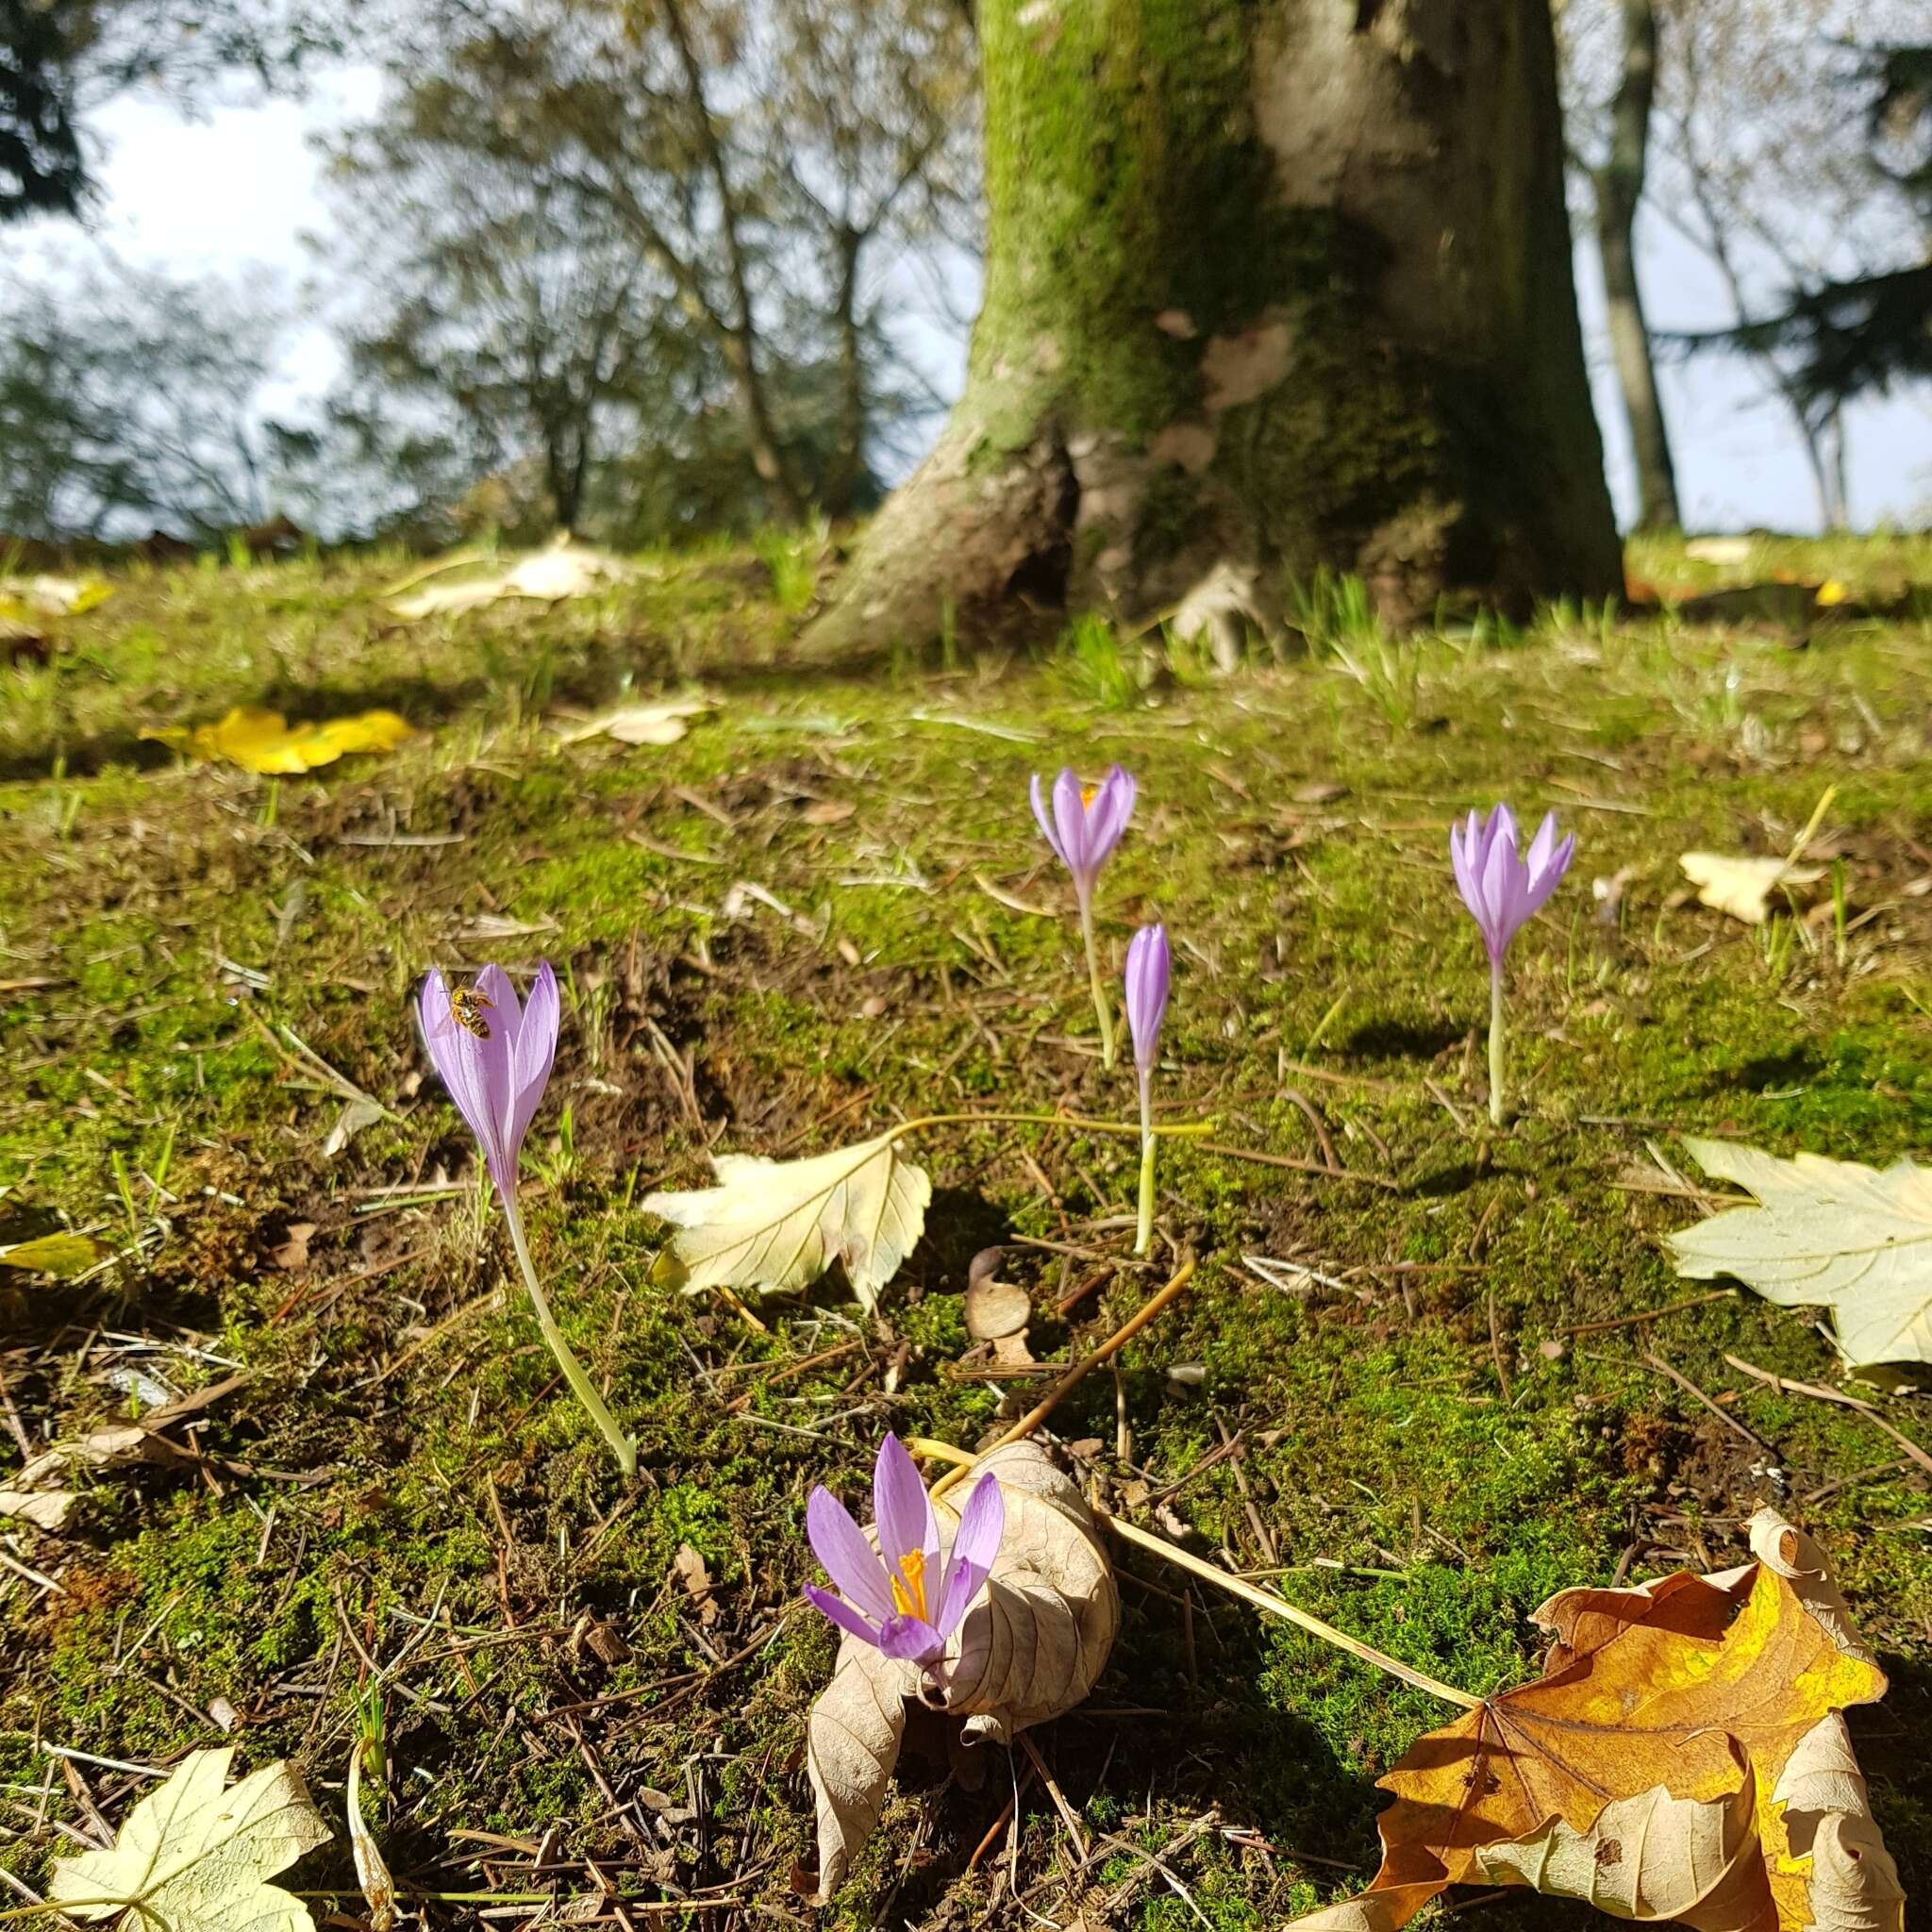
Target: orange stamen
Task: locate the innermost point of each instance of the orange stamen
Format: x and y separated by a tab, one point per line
909	1597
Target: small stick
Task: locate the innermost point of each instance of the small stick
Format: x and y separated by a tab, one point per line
1819	1393
1289	1161
1697	1394
1696	1301
1079	1371
1280	1606
1496	1347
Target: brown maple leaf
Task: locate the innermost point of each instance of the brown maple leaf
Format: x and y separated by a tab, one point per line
1682	1757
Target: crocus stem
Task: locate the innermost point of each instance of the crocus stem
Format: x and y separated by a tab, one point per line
1102	1006
581	1385
1143	1234
1497	1045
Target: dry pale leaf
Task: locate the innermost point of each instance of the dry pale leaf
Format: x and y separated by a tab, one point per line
660	723
694	1573
61	1255
543	576
1719	550
372	1867
24	599
1742	885
781	1224
1830	1233
45	1510
1223	606
291	1253
1682	1758
195	1857
354	1115
1030	1649
262	741
993	1308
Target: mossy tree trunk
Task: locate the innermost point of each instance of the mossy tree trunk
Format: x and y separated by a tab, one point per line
1273	283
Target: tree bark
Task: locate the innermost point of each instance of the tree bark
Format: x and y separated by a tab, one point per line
1619	186
1281	284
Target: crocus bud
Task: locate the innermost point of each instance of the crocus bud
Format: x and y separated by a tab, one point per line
1148	966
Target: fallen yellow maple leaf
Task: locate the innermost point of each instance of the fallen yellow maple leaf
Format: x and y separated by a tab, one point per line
1682	1757
263	741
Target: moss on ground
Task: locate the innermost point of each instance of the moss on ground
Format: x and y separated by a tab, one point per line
401	1487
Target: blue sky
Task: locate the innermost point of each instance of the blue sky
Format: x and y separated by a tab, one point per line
238	188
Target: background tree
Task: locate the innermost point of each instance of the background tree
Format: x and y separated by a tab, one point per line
765	167
131	402
60	60
1280	285
1761	165
1869	330
1610	52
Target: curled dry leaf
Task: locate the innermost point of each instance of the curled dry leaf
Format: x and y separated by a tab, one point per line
262	741
781	1224
195	1857
1682	1757
658	723
1742	886
1828	1233
1027	1651
543	576
994	1308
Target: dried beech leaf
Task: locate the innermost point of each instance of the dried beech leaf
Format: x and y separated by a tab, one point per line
1682	1758
543	576
1742	885
993	1308
658	723
45	1510
1833	1233
1030	1649
193	1857
781	1224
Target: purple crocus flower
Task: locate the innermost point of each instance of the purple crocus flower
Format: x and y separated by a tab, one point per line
1087	821
1148	968
493	1052
898	1597
1502	891
1085	825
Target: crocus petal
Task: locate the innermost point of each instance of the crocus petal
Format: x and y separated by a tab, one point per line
911	1639
840	1613
1069	815
1499	895
903	1518
504	1017
1463	849
1107	816
1040	811
531	1054
1541	881
1148	967
846	1556
1542	846
982	1522
1502	825
457	1056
